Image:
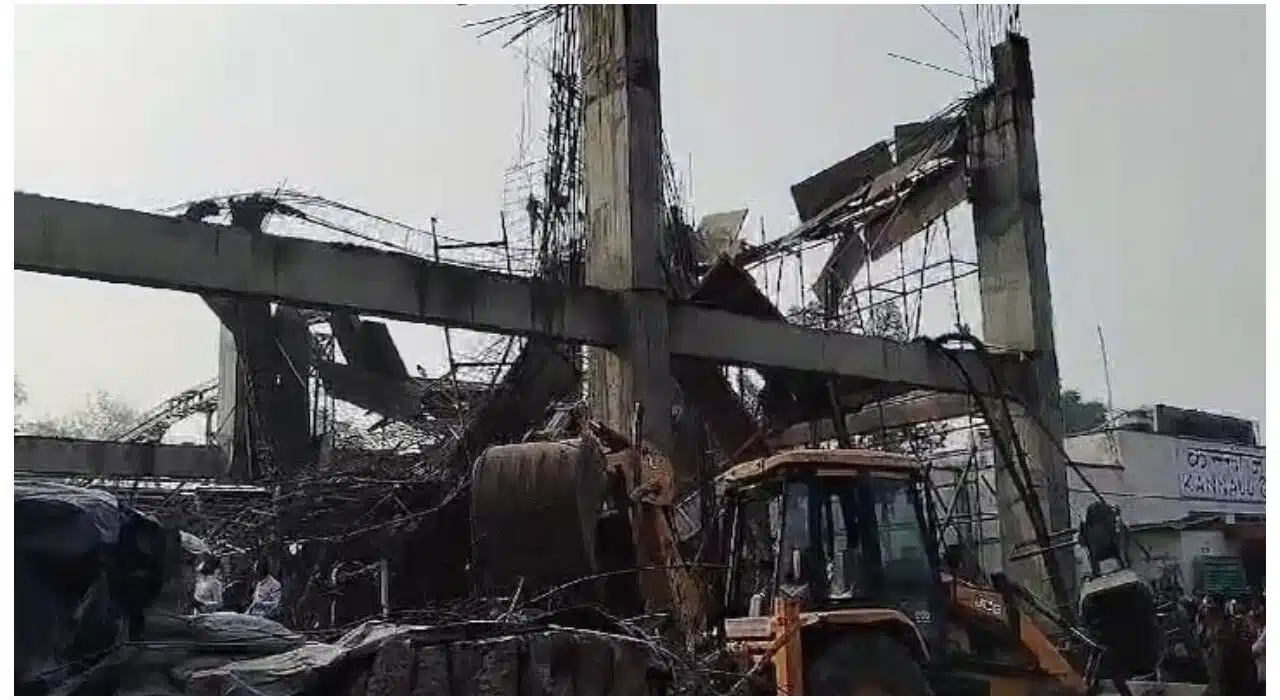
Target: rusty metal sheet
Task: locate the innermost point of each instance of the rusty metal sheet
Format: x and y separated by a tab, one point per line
815	194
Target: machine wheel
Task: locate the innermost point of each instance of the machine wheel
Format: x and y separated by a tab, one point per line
534	511
867	663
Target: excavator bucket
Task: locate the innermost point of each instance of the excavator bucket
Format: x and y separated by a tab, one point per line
1119	609
535	507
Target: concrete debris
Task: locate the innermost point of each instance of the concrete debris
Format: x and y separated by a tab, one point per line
383	658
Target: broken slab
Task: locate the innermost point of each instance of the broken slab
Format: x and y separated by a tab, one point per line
718	235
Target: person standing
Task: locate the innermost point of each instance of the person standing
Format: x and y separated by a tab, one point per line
1227	651
266	593
208	593
1260	659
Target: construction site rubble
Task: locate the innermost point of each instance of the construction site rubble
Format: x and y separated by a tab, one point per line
101	637
664	481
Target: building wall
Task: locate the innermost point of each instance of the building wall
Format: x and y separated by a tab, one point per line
1159	478
1153	478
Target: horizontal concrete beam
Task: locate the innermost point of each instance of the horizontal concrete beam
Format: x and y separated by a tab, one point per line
898	413
71	456
733	339
91	241
97	242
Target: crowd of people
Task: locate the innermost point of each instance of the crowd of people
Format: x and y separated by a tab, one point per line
1232	635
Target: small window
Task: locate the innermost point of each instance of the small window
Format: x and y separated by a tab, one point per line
902	543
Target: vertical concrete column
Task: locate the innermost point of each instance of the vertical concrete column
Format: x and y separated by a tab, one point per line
622	162
1017	310
231	421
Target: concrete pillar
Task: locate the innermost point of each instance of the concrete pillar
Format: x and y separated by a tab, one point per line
1017	310
231	423
622	162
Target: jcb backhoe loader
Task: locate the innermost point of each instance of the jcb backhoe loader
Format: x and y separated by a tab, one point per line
833	583
834	573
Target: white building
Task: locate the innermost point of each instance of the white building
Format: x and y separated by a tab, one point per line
1190	486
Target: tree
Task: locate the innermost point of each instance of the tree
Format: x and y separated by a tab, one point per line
1078	415
103	417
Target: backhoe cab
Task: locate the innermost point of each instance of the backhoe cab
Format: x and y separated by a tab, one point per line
833	545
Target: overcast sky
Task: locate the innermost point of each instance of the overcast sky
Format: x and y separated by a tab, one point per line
1150	127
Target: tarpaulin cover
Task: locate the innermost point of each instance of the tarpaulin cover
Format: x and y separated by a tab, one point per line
86	566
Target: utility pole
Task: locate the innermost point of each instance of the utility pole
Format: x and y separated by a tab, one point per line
622	164
1017	312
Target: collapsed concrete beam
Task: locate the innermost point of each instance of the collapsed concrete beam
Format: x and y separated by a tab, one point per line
899	413
97	242
731	426
395	399
734	429
717	235
819	192
920	147
929	199
410	400
367	345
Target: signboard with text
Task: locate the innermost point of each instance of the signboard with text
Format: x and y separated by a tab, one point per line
1213	474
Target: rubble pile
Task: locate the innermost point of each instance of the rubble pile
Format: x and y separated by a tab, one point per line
384	658
104	594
